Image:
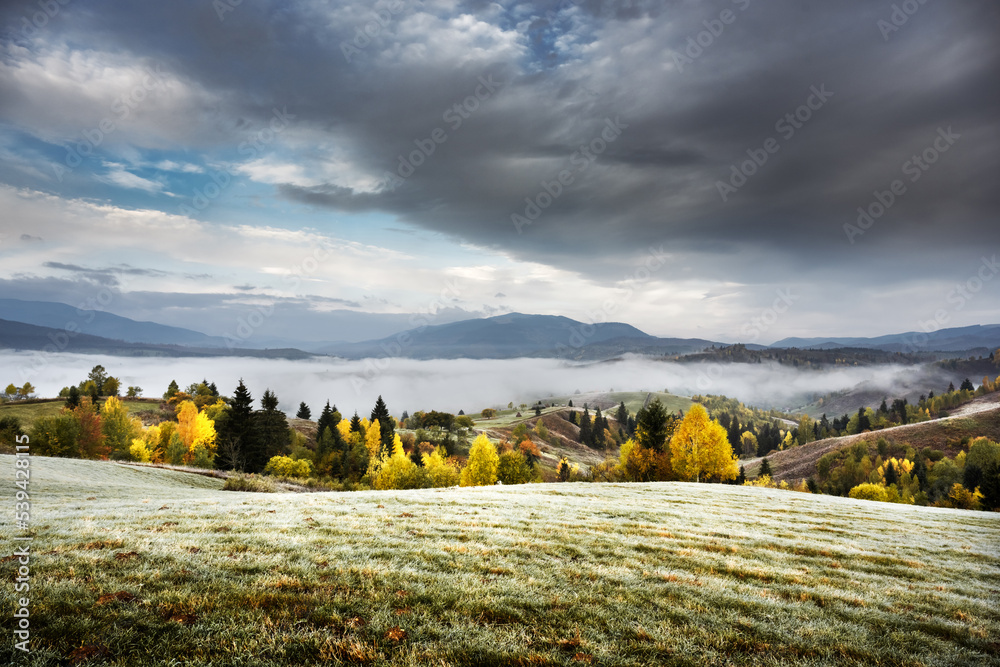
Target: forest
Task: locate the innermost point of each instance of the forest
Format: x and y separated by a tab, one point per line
257	445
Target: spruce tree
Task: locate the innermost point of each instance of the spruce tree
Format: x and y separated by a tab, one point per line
73	400
586	434
270	437
237	432
171	390
653	426
304	411
765	468
598	430
891	476
328	420
324	421
387	429
622	415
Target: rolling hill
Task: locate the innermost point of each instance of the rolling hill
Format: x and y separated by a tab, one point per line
980	417
145	566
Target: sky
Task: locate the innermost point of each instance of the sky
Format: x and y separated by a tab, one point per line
733	170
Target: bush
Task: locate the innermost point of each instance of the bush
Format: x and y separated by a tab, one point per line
875	492
252	483
283	466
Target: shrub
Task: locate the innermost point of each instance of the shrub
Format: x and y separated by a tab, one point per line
441	472
963	499
252	483
875	492
283	466
513	468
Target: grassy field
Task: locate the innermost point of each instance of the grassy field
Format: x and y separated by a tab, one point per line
148	566
634	400
29	413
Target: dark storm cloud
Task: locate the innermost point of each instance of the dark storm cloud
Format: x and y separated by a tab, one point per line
551	84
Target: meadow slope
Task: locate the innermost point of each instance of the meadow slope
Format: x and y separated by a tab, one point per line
149	566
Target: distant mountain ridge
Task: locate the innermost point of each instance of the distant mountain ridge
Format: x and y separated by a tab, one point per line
958	339
31	337
517	335
500	337
103	324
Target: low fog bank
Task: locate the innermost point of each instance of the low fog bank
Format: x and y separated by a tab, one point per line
454	384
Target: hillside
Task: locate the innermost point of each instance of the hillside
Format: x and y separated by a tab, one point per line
135	567
980	417
30	411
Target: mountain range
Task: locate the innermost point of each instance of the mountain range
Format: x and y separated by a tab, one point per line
34	325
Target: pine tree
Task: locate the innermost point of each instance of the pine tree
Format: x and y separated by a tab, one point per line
654	426
597	433
586	433
270	433
742	477
863	423
967	385
356	426
380	414
622	415
891	476
765	468
172	389
73	400
236	435
304	411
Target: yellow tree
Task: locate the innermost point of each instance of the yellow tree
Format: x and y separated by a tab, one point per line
396	471
700	447
118	428
748	442
440	471
483	462
197	432
373	439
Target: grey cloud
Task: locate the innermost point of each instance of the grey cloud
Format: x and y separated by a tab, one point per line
657	182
